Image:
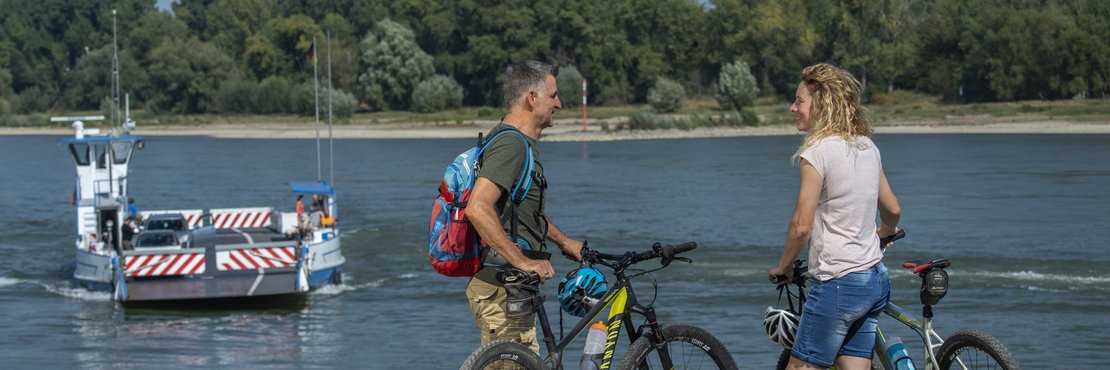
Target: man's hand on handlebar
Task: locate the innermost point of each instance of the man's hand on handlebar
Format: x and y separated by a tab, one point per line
541	268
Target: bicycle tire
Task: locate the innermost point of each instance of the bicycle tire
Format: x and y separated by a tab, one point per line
784	359
698	343
977	350
503	354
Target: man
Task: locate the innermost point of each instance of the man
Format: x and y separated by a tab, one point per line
531	97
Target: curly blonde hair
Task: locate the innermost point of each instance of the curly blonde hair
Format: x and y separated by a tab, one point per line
836	108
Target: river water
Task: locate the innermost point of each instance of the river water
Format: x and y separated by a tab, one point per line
1022	217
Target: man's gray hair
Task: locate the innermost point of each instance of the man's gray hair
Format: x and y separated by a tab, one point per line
523	76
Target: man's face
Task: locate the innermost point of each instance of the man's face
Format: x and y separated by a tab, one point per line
547	101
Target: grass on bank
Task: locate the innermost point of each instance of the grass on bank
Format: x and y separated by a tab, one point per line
885	109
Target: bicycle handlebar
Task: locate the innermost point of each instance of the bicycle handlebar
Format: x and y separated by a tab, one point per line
666	253
800	270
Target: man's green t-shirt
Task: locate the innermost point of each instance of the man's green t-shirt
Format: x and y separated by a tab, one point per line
502	163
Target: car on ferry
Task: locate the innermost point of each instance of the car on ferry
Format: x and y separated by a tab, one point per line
156	240
174	222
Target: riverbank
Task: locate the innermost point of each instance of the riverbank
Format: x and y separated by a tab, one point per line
571	129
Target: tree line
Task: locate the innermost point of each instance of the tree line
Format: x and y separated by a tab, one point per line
214	56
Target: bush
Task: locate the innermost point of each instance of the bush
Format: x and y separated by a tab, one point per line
342	102
276	95
570	86
666	96
736	87
437	93
30	101
239	96
5	107
616	94
488	112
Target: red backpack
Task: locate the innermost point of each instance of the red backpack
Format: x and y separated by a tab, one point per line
453	243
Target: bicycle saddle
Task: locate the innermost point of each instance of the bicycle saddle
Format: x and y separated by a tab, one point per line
921	266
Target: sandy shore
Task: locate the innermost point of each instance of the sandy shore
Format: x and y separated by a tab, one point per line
571	130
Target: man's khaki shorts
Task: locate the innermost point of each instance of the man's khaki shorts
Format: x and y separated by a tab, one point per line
487	302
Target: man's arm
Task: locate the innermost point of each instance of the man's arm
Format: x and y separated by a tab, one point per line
570	247
482	213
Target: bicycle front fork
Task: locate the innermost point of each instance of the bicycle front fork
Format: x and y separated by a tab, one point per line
655	333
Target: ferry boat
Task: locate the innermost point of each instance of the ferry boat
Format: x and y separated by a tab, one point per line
189	254
165	255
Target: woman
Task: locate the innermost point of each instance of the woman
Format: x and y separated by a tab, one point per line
842	188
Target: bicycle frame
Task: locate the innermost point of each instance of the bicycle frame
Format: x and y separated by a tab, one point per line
923	328
622	304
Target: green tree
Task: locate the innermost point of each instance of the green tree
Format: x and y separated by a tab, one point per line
228	23
391	65
437	93
185	76
90	81
666	96
149	31
569	81
736	87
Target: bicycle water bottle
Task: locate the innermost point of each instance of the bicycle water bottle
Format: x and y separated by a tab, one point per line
595	347
899	357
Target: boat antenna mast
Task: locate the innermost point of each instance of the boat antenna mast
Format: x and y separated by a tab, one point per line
316	94
115	76
331	142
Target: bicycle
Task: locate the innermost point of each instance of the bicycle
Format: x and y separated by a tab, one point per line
674	345
965	349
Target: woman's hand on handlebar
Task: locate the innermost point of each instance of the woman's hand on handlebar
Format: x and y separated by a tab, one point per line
781	275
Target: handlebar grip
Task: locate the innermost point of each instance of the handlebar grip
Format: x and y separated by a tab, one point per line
775	279
685	247
890	239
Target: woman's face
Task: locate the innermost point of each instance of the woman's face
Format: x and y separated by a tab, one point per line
803	103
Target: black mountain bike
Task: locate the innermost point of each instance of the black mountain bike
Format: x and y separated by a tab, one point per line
966	349
654	346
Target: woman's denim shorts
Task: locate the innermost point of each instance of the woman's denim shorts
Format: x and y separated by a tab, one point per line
841	316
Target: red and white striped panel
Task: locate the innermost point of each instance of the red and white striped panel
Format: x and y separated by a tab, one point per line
255	258
240	217
164	264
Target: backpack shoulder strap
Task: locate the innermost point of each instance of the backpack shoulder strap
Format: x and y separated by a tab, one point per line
524	182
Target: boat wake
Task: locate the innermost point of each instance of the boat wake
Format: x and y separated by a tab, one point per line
62	289
347	287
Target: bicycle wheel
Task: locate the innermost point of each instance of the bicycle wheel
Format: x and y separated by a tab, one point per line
974	349
503	354
690	347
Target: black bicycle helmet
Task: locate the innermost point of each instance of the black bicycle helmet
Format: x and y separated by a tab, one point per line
592	283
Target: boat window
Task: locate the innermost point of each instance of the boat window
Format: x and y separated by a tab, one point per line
80	152
101	155
121	150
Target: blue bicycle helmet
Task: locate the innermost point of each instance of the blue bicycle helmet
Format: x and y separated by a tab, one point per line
589	280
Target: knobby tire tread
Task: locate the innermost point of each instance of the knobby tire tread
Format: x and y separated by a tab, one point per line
640	350
503	350
975	339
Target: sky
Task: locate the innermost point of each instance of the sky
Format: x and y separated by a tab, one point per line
164	5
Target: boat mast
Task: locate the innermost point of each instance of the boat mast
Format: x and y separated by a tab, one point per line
316	94
115	75
331	142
